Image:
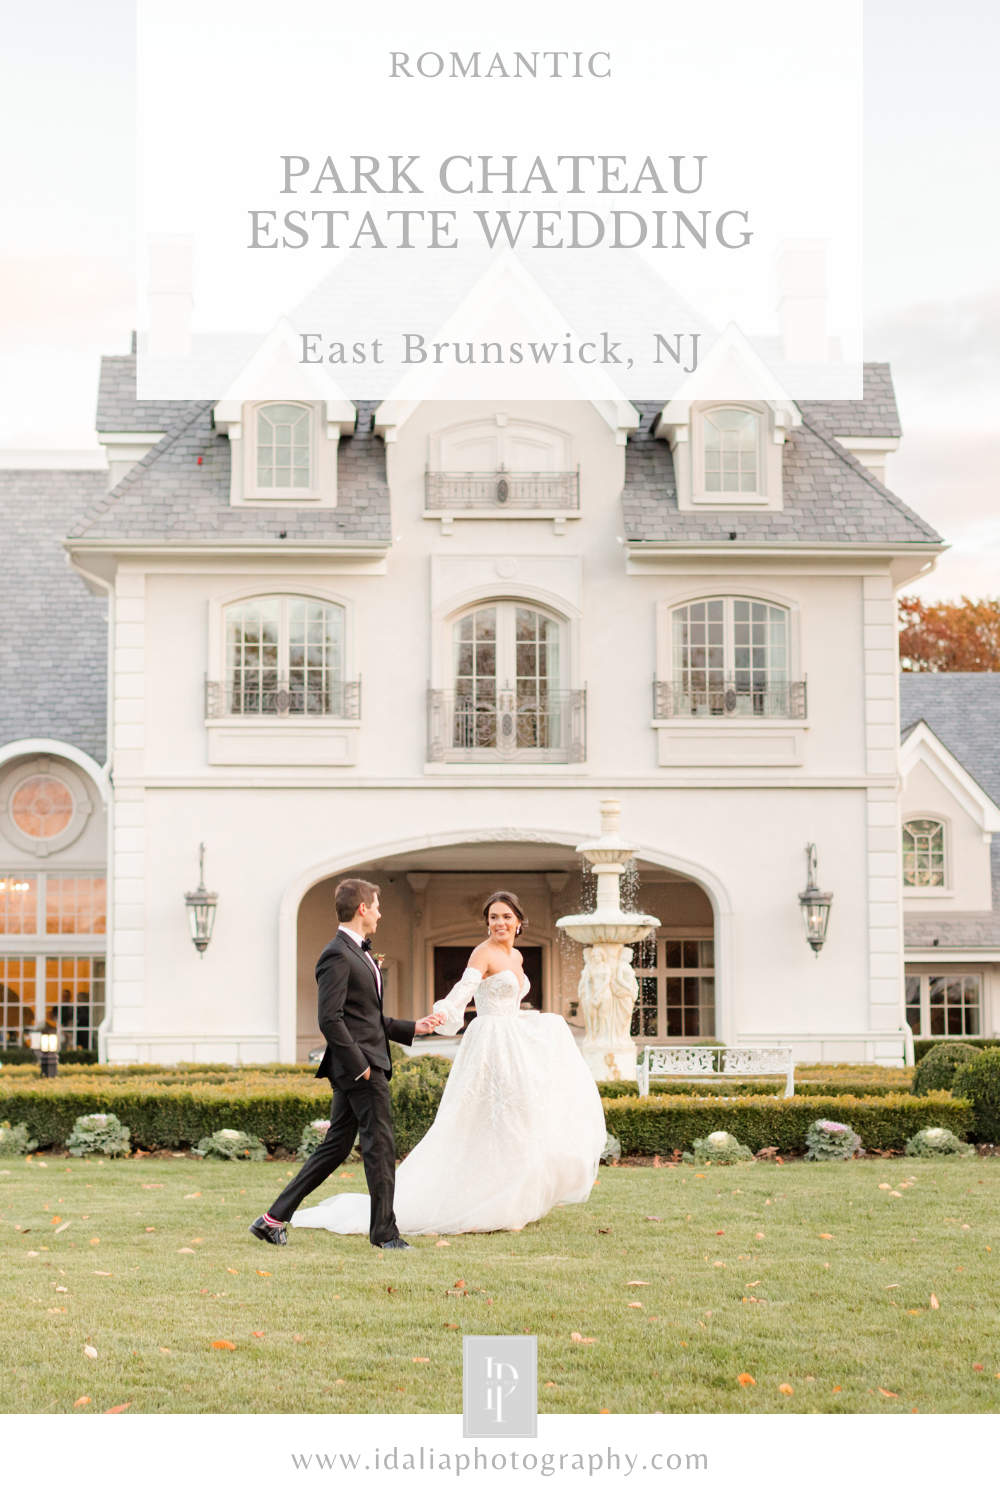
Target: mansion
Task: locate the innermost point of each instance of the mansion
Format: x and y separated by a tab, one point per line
419	641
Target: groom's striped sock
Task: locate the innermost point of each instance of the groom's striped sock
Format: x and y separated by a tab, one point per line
271	1223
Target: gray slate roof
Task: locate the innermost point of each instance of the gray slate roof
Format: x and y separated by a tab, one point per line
875	415
963	710
170	496
117	408
53	646
828	496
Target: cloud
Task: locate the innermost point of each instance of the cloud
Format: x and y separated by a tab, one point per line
66	298
941	345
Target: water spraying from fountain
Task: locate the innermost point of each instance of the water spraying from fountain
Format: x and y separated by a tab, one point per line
608	987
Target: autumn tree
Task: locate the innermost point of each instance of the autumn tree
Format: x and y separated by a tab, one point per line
963	637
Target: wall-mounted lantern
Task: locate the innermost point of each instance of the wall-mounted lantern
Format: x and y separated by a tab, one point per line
815	904
201	908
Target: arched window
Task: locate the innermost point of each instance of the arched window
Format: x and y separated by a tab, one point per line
730	451
507	698
923	852
284	447
731	656
285	656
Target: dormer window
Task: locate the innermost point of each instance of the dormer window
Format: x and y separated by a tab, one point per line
284	448
730	435
923	853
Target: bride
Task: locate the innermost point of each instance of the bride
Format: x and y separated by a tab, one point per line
520	1126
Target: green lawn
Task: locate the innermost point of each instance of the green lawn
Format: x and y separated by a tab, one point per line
805	1275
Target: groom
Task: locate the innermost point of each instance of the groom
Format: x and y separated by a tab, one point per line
357	1064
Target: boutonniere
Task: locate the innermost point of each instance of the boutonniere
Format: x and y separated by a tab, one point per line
379	958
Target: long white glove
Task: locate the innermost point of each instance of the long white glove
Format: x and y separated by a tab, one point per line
454	1003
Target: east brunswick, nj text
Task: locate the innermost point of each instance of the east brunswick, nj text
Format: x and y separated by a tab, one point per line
417	350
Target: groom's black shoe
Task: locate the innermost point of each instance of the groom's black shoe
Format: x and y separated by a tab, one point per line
274	1236
396	1244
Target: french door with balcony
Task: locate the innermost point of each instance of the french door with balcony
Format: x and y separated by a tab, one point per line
507	688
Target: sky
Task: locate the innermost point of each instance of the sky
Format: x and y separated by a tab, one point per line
932	224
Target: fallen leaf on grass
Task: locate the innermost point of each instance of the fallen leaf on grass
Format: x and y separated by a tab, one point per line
894	1194
787	1390
94	1241
258	1333
652	1219
104	1273
299	1338
719	1233
758	1235
700	1174
264	1273
150	1229
442	1245
893	1395
56	1309
746	1379
635	1304
719	1263
935	1304
893	1286
90	1351
826	1236
349	1175
885	1187
192	1195
605	1411
153	1184
231	1271
164	1350
61	1288
578	1338
459	1283
82	1401
451	1325
113	1411
550	1385
604	1231
837	1389
222	1344
185	1250
64	1226
977	1367
56	1220
340	1382
637	1283
914	1312
421	1359
753	1283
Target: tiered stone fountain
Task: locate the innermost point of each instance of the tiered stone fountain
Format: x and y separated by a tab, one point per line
608	987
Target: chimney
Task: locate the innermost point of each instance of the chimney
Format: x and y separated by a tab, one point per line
170	280
801	273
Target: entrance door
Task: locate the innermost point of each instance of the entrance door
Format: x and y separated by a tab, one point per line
451	963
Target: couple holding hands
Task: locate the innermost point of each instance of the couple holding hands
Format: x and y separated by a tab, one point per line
520	1126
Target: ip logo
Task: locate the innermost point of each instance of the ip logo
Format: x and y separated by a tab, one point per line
500	1387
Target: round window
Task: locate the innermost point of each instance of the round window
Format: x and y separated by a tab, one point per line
42	807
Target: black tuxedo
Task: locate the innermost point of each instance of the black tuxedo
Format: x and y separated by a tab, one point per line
357	1038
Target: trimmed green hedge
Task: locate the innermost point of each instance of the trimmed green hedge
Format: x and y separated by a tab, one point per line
697	1088
923	1044
655	1126
171	1114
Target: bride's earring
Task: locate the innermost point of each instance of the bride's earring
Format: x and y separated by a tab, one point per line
520	929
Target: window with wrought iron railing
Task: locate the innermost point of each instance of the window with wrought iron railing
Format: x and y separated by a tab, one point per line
730	659
284	657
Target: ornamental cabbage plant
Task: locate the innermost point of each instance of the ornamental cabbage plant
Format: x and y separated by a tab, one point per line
719	1149
14	1140
829	1140
936	1141
231	1145
99	1135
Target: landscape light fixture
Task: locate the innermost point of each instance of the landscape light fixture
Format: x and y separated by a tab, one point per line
815	904
46	1044
201	908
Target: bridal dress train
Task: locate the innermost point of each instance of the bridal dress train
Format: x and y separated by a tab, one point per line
520	1126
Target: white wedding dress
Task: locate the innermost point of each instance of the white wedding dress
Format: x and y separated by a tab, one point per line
520	1126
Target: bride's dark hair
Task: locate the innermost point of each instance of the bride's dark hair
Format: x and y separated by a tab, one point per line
509	900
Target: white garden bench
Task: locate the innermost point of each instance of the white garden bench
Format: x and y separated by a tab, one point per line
715	1063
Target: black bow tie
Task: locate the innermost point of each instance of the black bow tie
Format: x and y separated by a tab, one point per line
366	945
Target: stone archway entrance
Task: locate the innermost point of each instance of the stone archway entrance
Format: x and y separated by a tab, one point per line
432	902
